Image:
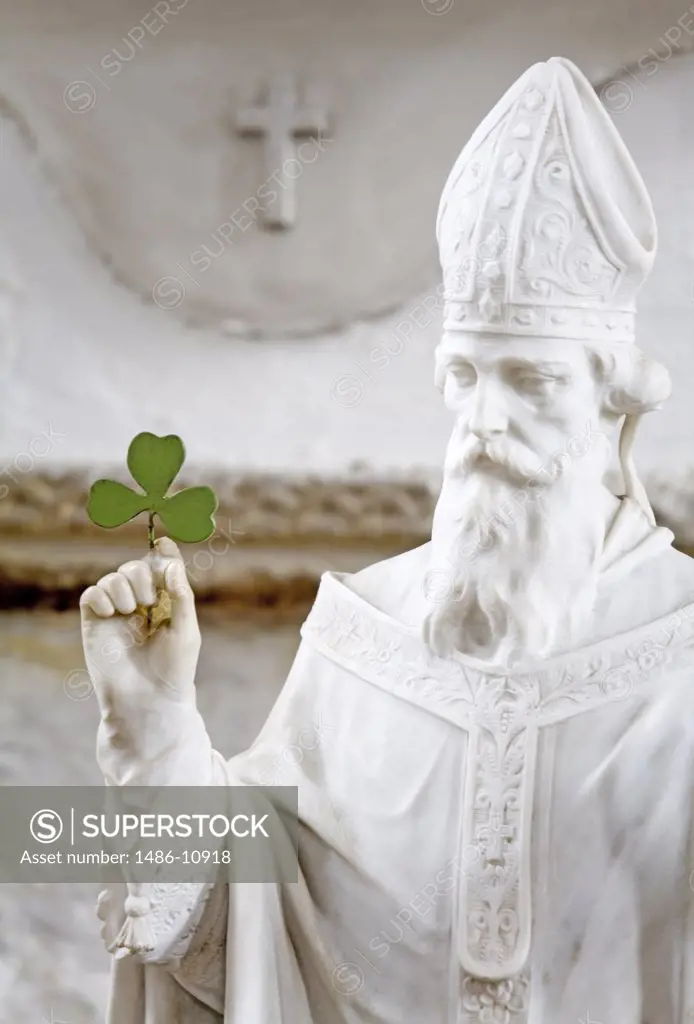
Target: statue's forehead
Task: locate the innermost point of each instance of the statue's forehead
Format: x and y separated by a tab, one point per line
468	345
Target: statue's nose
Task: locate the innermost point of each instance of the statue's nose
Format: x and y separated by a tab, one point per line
489	418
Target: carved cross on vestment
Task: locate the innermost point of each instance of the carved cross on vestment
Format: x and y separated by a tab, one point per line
279	121
492	835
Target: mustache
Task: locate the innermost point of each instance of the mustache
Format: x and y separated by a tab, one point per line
506	453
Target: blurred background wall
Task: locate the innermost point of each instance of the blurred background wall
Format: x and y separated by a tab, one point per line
149	281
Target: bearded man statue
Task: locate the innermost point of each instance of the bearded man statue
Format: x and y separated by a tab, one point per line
494	808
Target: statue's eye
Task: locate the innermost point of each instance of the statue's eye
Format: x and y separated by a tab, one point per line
463	375
532	380
535	383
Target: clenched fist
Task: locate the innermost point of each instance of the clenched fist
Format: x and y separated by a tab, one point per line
131	666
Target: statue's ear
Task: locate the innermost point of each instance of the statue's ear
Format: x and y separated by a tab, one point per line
651	384
634	383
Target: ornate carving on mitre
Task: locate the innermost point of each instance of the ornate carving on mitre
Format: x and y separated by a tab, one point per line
558	255
559	187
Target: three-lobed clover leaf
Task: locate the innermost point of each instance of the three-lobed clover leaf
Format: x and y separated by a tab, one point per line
154	463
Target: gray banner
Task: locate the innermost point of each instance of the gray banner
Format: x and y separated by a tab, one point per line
147	834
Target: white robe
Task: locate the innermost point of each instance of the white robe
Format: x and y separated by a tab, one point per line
453	868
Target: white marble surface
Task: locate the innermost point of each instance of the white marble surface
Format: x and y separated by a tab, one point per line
51	956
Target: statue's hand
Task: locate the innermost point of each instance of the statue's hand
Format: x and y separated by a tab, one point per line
131	666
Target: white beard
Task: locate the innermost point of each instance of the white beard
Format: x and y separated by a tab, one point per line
512	579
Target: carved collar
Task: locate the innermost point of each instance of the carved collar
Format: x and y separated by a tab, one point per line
389	654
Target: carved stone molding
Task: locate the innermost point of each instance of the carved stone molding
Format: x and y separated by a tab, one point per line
257	508
275	536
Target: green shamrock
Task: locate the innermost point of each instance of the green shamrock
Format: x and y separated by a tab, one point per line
154	463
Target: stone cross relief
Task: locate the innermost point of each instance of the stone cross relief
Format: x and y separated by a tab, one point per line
279	121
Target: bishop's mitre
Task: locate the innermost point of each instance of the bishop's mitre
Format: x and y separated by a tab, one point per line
545	226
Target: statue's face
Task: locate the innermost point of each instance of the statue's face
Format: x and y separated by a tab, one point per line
519	401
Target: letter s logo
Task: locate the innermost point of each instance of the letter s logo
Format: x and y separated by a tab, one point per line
46	826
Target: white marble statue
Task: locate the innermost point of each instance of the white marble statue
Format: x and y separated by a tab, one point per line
495	798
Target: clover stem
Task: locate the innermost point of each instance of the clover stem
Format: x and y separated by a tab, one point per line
150	540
